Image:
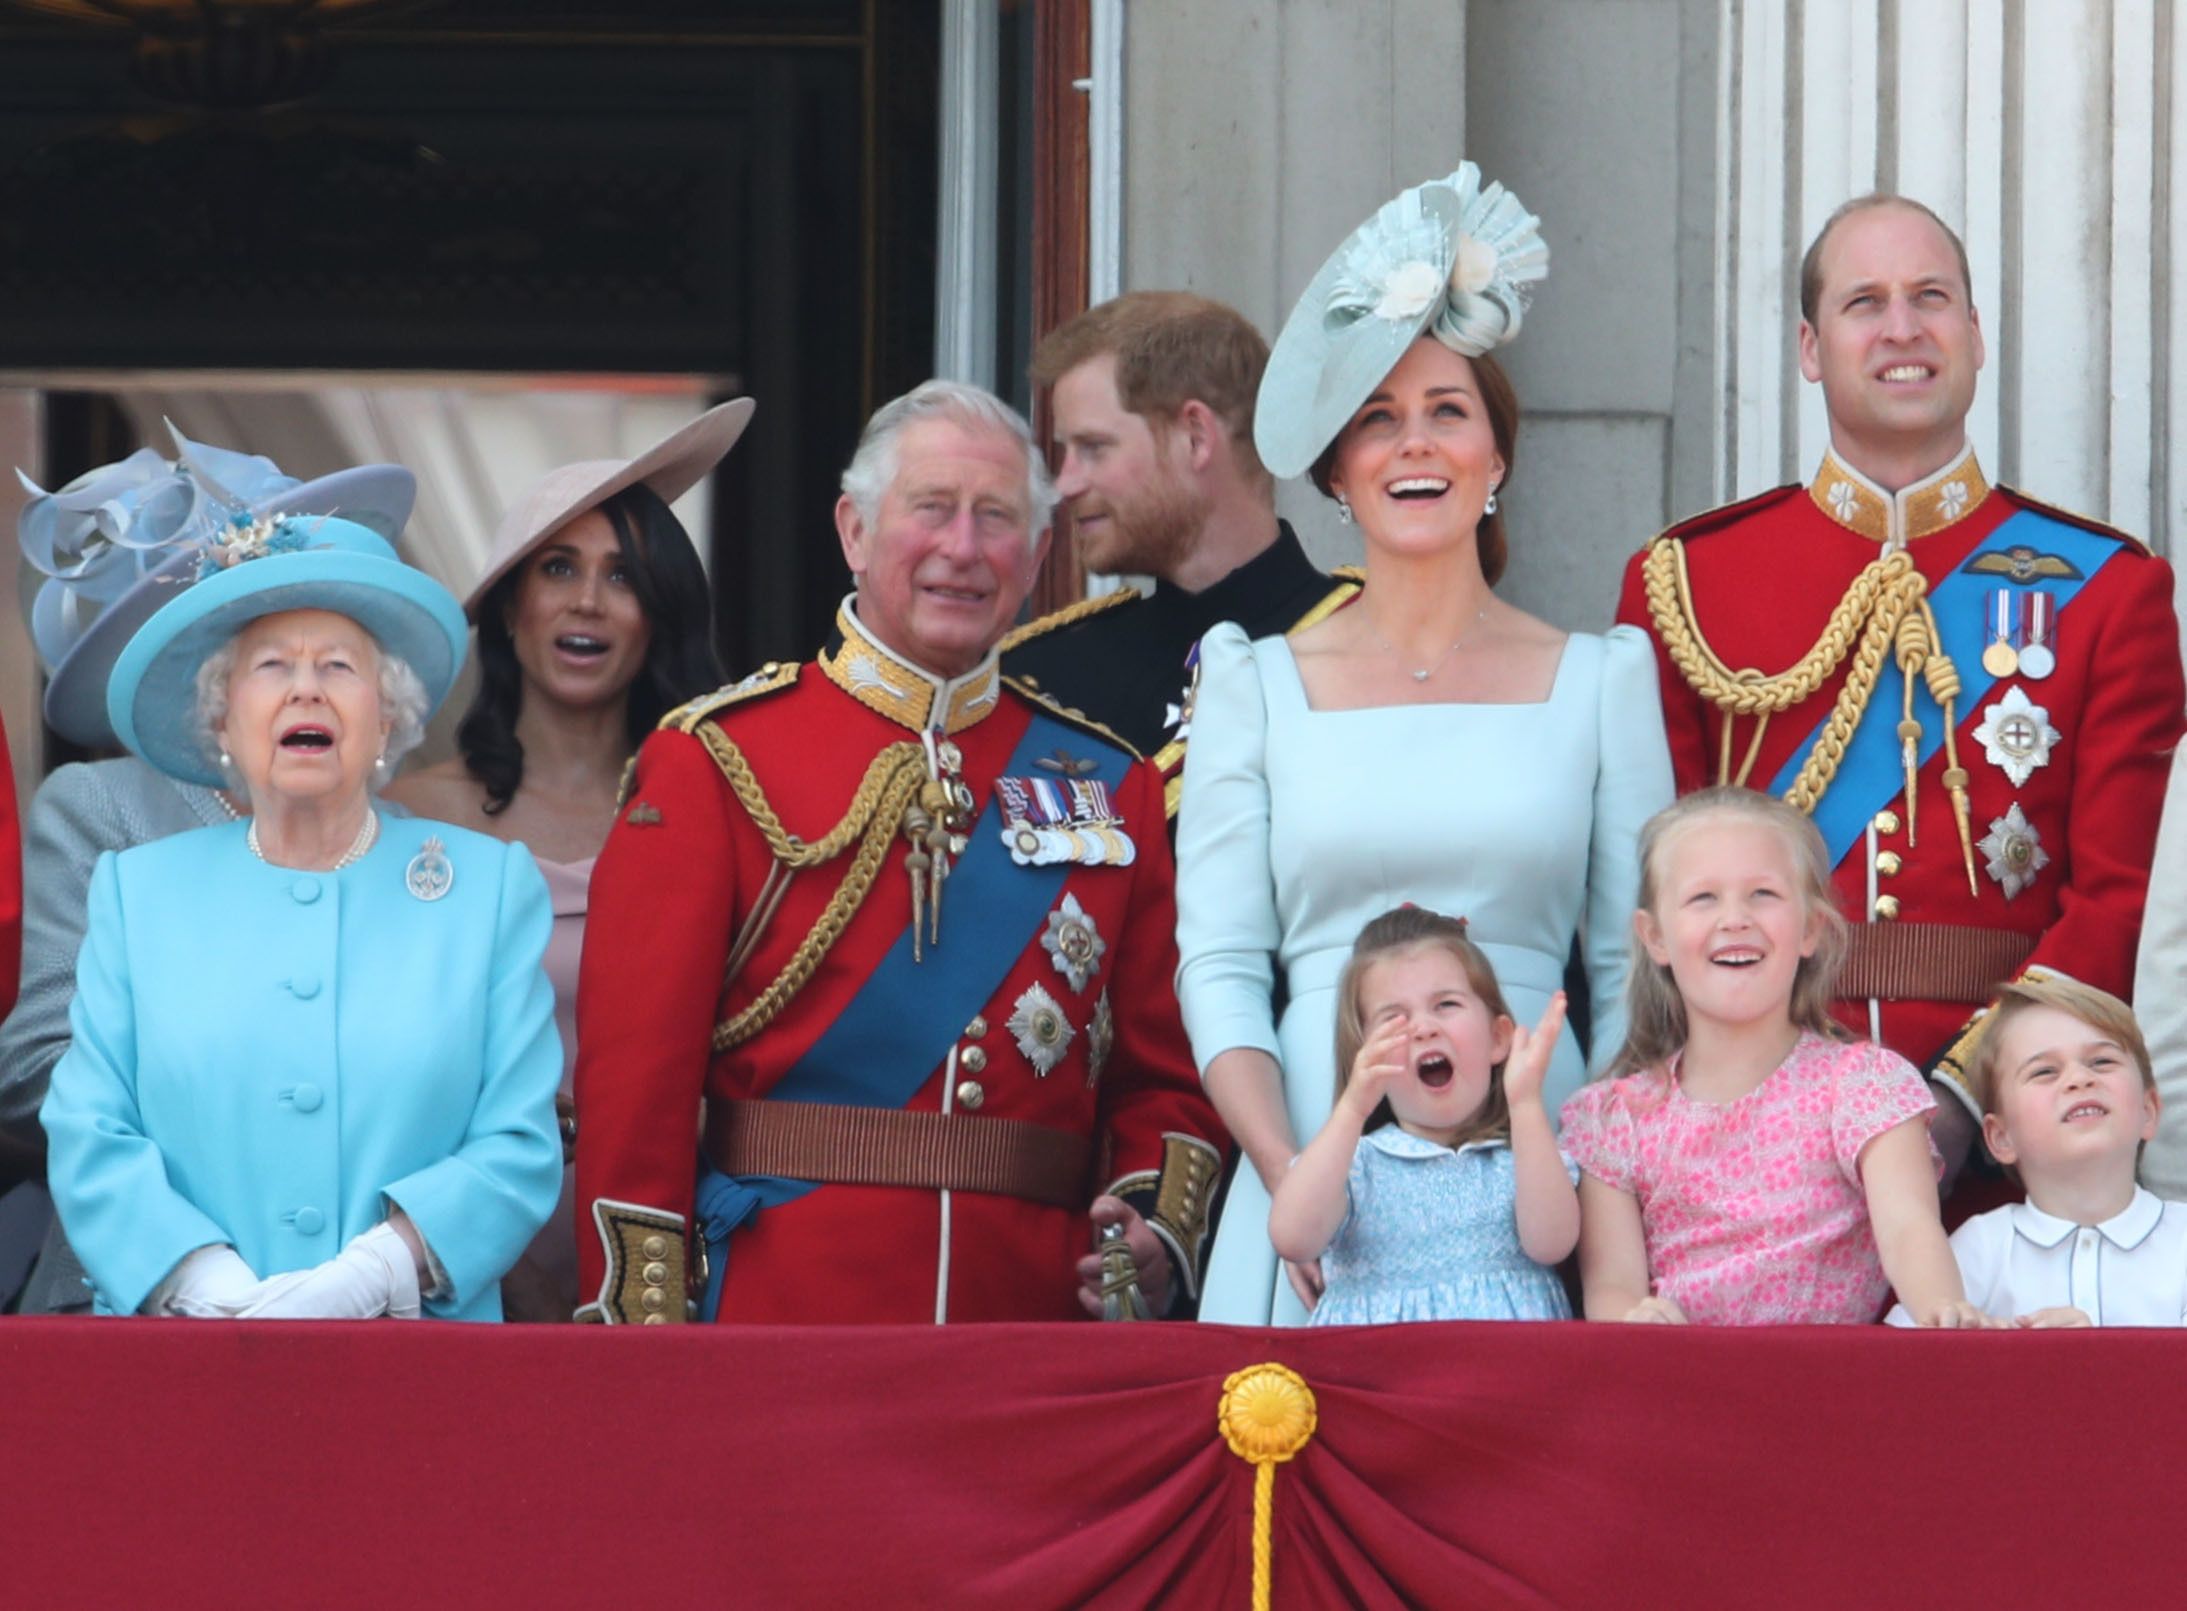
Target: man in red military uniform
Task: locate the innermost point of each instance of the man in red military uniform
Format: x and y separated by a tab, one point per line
898	938
1974	695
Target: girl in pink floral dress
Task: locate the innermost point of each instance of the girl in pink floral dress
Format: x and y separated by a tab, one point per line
1745	1164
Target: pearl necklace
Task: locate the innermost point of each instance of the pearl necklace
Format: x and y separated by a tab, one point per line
367	836
1442	660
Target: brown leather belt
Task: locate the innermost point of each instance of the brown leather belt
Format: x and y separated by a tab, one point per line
1931	962
849	1146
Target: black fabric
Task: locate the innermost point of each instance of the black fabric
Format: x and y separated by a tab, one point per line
1125	667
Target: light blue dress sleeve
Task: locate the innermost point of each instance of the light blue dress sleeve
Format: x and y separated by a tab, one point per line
1227	927
1632	783
129	1226
478	1208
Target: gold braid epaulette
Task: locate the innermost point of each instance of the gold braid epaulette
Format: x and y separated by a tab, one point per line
1865	625
1076	717
1070	615
687	716
876	812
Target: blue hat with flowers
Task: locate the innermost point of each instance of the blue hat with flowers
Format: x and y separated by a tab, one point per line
263	565
1450	258
119	541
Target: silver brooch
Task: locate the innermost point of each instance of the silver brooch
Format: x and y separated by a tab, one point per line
2015	851
1073	943
2016	735
1043	1033
429	875
1100	1040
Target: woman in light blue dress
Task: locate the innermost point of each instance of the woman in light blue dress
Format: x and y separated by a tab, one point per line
1431	743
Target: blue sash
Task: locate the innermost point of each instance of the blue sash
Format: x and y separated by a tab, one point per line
888	1040
1873	772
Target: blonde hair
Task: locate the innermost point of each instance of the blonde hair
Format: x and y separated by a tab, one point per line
2099	1009
1395	933
1655	1022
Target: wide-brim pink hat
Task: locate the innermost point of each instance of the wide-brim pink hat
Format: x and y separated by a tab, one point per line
671	467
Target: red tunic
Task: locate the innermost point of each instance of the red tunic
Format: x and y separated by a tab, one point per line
680	873
1765	576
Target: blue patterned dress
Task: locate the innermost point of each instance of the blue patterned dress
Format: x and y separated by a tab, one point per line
1432	1234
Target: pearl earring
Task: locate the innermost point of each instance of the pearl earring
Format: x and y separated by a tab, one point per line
1344	511
226	765
1489	507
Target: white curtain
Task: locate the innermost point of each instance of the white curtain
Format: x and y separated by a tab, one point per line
474	449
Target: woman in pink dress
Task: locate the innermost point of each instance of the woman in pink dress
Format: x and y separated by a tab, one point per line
593	622
1745	1164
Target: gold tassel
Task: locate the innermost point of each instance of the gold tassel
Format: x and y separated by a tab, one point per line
1267	1415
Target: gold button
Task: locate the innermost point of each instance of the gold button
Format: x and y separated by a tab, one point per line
1888	863
656	1320
655	1274
653	1298
655	1247
973	1059
976	1029
1886	822
971	1093
1887	907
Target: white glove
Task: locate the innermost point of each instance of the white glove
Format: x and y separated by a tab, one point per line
373	1276
206	1284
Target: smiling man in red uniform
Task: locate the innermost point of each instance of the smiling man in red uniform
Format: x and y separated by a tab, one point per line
898	938
1974	694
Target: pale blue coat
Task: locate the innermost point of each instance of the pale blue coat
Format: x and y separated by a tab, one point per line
271	1058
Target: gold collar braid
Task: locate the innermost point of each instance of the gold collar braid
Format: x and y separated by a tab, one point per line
1885	612
908	695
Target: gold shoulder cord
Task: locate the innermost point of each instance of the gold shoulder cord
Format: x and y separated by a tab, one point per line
1884	613
890	785
1070	615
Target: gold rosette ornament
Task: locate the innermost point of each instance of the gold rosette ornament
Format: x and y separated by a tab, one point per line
1267	1415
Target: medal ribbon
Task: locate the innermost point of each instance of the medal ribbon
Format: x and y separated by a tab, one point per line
1872	773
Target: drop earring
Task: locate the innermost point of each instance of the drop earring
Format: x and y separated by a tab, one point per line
1489	507
1344	511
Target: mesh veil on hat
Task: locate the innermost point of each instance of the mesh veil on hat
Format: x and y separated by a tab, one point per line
671	467
119	541
1449	258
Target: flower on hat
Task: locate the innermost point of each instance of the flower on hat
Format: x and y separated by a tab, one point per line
1409	290
244	538
1393	266
1473	270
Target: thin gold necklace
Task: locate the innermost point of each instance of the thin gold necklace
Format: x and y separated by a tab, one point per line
1441	661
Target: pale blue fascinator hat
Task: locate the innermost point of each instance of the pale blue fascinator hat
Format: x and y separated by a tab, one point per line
1450	258
253	567
119	541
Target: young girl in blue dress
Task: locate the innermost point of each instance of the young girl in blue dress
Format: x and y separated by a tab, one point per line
1435	1191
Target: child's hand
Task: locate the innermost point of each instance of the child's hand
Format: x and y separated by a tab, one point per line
2052	1319
1957	1315
1656	1311
1385	1056
1528	1062
1306	1281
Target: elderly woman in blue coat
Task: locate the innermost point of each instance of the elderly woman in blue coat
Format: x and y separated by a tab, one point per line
313	1055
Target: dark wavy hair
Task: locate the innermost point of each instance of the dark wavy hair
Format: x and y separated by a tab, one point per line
679	662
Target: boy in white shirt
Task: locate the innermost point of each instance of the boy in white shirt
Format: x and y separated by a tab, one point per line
2069	1101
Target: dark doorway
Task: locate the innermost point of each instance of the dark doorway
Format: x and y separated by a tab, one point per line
742	191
